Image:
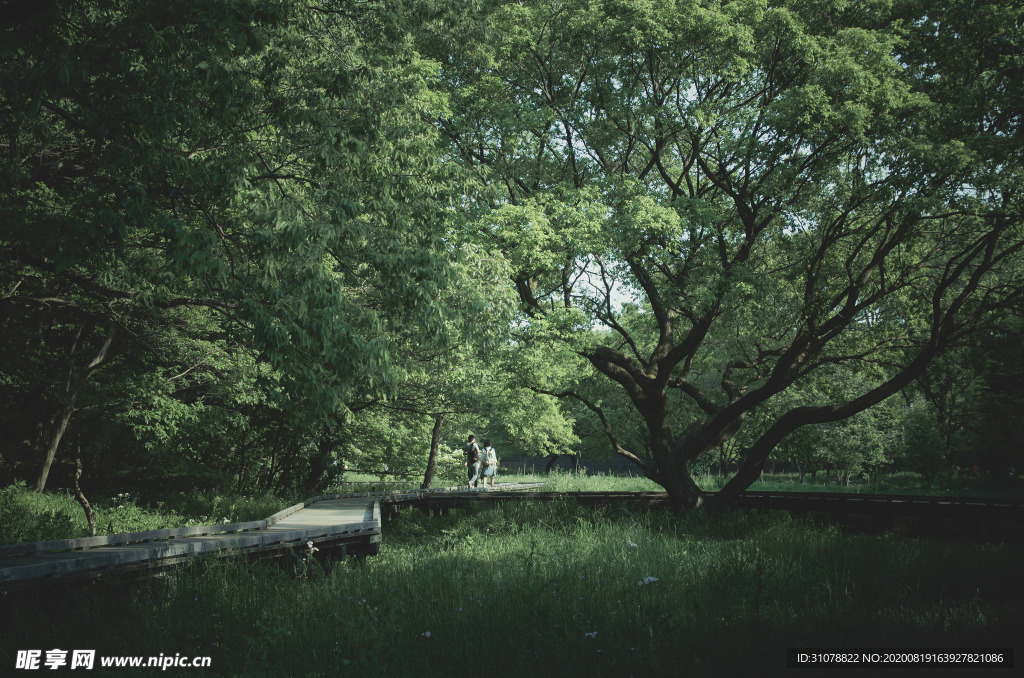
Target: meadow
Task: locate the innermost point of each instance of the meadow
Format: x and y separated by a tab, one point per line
547	589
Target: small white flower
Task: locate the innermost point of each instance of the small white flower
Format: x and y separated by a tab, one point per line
632	545
590	634
648	580
425	634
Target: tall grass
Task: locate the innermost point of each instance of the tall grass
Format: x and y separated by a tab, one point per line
891	483
563	481
26	516
365	482
550	590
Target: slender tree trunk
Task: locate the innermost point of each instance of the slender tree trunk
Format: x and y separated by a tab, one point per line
266	480
551	463
320	464
435	445
90	515
60	426
288	463
71	391
243	453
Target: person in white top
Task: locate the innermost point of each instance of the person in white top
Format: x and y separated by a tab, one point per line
490	463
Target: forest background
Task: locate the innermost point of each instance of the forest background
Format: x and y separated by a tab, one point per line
246	244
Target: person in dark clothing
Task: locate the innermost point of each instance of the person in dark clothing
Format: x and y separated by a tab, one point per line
472	452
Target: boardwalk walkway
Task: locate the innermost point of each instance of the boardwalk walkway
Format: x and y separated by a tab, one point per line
352	521
352	524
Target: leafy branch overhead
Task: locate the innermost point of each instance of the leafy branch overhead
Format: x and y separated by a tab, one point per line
253	158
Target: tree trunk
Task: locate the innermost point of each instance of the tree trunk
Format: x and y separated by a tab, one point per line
683	492
286	469
672	456
319	464
71	390
60	426
435	445
551	464
242	454
265	478
90	515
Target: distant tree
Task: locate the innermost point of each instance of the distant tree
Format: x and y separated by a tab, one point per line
992	435
923	449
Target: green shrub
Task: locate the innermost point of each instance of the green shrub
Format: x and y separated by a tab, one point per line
26	516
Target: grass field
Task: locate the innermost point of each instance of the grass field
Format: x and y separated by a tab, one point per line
894	483
548	590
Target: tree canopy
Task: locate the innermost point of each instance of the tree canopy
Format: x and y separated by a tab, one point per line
244	240
780	193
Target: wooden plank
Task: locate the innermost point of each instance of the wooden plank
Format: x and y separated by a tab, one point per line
168	533
324	523
151	535
353	516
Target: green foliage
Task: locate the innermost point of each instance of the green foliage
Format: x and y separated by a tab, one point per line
200	507
451	468
27	517
249	196
924	450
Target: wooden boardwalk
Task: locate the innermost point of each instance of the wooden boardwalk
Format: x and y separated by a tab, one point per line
351	521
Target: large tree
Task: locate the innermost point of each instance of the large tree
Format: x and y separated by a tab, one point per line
784	189
255	176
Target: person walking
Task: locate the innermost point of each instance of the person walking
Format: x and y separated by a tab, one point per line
472	452
490	462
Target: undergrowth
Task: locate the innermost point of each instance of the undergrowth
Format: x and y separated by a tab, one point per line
553	589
